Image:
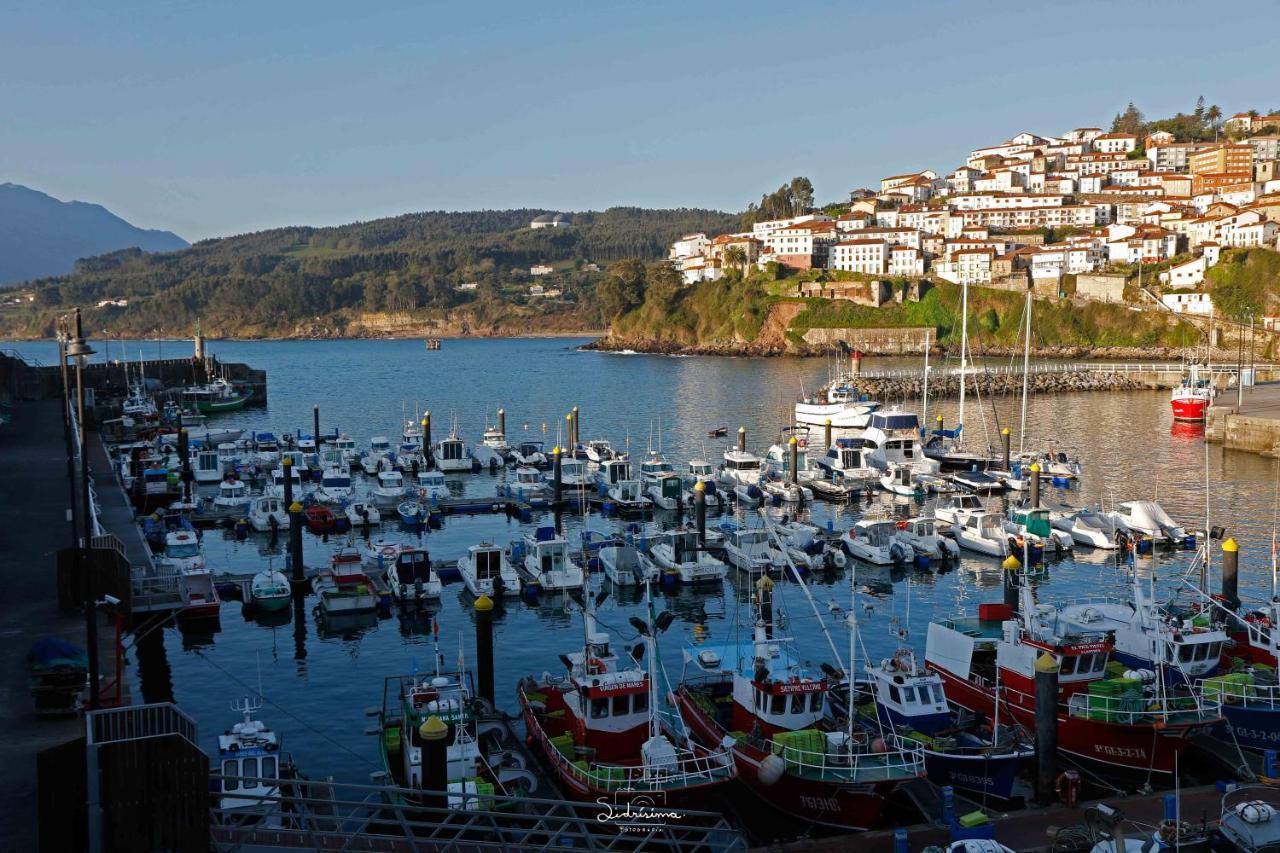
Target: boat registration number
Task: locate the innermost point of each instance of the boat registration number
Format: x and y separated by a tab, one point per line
1120	751
820	804
1256	734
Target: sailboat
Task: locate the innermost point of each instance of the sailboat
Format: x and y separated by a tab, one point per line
946	447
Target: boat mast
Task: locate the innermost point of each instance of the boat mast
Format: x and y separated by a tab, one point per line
852	621
964	358
1026	370
924	405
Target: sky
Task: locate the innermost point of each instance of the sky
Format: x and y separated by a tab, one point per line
216	118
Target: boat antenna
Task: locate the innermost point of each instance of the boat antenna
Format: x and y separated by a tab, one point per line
1026	374
435	641
852	622
258	659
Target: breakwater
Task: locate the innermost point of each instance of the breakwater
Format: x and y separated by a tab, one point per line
903	387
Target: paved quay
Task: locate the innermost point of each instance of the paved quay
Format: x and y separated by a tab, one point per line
33	503
1253	425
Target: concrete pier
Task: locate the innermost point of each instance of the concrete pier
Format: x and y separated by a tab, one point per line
1253	426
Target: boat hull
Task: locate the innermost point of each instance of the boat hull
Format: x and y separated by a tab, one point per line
1189	408
1252	727
984	775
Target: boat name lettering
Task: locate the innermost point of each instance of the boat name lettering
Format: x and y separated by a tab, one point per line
798	687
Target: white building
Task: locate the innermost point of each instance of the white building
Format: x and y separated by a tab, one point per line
869	256
688	246
1188	303
1115	143
905	260
966	266
541	269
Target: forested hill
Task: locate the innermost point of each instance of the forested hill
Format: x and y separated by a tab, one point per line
287	281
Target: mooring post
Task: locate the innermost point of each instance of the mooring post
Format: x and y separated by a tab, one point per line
700	511
794	447
1046	667
1004	446
435	761
295	544
1011	566
577	429
184	454
1230	573
742	439
826	434
764	588
557	487
427	456
315	426
570	442
502	421
1035	485
484	647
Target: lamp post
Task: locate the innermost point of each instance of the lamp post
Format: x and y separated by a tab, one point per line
79	350
66	433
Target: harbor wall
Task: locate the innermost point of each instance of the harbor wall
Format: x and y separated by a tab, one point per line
19	380
1227	426
908	340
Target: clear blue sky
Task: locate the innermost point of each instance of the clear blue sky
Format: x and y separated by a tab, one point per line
212	118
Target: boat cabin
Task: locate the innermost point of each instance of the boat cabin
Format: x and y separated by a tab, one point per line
390	480
741	466
486	562
531	448
573	472
345	444
431	480
772	691
277	478
877	534
908	696
379	444
653	467
232	490
155	481
228	454
412	567
336	478
700	469
528	478
451	449
548	553
615	471
297	457
250	768
846	455
208	463
629	491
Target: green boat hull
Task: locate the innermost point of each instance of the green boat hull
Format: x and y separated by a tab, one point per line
211	408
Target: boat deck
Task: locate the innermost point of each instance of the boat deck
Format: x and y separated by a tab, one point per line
981	629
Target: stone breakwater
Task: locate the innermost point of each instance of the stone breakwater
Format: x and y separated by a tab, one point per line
900	388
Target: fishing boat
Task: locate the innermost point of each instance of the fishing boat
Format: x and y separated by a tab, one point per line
452	455
215	397
362	514
547	566
269	590
206	466
483	755
841	406
486	570
335	485
268	514
980	757
412	578
1147	637
876	541
251	767
677	552
321	520
751	549
661	484
389	491
770	708
597	726
431	486
232	495
1121	725
700	471
1194	395
625	494
624	565
898	480
530	454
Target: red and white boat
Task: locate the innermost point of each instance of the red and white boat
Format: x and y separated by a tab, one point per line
597	727
1193	396
760	698
1143	731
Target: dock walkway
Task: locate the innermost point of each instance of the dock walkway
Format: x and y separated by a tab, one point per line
1253	425
33	504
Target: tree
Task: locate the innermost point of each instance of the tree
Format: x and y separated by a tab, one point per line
662	284
1199	112
1214	116
801	195
622	288
736	258
1130	121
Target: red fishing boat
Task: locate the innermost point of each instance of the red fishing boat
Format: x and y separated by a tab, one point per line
597	727
1119	724
321	520
1193	396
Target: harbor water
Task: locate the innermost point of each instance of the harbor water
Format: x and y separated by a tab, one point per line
317	682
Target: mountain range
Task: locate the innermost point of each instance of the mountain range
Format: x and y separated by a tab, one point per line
43	236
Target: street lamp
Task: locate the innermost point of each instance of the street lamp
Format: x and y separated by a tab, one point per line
80	351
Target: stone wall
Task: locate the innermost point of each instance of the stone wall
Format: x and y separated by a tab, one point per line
1100	287
902	340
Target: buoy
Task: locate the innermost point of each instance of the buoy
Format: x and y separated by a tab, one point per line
1011	563
771	769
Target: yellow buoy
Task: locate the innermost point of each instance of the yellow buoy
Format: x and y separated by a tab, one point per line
1011	563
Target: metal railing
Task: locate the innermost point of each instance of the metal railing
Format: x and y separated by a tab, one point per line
301	814
1123	367
1244	694
137	722
904	760
1142	710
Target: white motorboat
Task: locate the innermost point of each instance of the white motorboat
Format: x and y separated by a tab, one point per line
897	479
850	458
876	541
346	445
700	471
599	450
266	450
923	537
751	549
623	565
363	514
574	476
275	488
379	450
390	490
269	590
206	466
182	550
677	552
527	484
1037	523
982	531
409	457
487	458
412	578
230	455
251	768
1149	518
1090	527
841	406
956	508
893	436
335	486
978	481
547	564
530	454
496	440
431	486
232	495
740	474
452	456
267	514
626	494
805	544
486	570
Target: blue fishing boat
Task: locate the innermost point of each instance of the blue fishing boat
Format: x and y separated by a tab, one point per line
412	513
1250	707
981	757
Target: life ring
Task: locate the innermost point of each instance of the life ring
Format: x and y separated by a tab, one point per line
388	550
902	525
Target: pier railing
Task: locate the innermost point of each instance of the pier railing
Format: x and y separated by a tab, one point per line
905	759
1052	367
304	815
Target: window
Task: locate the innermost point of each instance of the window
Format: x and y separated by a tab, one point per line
815	703
1069	665
250	768
1202	651
620	705
269	767
938	696
230	767
1186	652
797	703
599	708
894	695
759	700
908	694
779	705
1216	651
640	702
